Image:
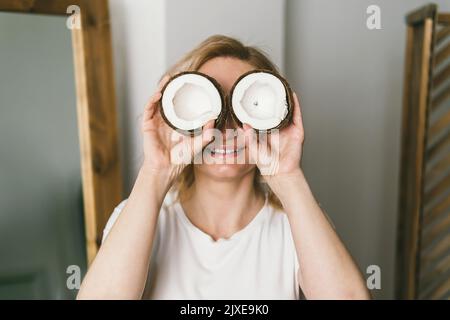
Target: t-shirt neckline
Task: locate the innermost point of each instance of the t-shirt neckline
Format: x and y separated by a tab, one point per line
257	219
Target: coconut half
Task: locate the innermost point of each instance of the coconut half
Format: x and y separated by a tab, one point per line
191	99
262	99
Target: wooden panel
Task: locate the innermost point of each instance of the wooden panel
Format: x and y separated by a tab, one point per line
438	249
440	124
442	76
415	100
443	54
437	210
442	34
437	189
440	146
440	267
441	290
444	18
421	14
425	203
440	99
438	169
98	121
55	7
432	232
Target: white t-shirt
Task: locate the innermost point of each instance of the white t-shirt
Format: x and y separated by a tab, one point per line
257	262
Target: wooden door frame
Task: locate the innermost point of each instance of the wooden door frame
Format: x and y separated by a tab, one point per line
418	104
96	107
420	24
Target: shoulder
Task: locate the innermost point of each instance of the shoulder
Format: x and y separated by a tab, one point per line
278	225
275	227
277	218
166	212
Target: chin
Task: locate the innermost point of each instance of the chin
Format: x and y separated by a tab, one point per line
225	171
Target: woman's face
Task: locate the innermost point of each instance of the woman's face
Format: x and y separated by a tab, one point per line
226	158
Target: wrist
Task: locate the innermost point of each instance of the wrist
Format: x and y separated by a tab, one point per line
284	178
159	180
287	186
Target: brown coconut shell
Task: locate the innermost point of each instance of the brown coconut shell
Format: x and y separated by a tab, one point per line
289	98
219	122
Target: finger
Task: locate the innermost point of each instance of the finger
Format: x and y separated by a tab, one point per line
152	106
163	82
194	145
152	120
209	125
251	142
149	121
153	99
157	95
203	139
169	135
248	130
297	116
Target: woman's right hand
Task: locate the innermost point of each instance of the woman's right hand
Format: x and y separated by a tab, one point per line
163	145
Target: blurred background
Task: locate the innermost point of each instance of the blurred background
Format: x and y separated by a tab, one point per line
349	79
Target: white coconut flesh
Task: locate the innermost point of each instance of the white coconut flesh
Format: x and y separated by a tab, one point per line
190	101
259	99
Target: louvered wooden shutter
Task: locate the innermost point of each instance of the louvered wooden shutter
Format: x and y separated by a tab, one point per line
423	248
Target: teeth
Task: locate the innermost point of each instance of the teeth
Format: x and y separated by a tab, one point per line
225	151
222	151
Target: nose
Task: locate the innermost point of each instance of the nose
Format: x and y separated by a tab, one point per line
229	122
229	129
229	126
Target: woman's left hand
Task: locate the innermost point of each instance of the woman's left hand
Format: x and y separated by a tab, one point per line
278	154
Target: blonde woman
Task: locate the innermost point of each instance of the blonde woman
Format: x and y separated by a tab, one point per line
220	231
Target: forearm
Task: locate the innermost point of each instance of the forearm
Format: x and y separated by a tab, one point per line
327	271
120	268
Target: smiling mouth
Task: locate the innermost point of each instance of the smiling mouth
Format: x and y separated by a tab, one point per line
224	151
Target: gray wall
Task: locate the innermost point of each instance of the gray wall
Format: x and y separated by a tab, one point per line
350	81
138	31
255	22
41	208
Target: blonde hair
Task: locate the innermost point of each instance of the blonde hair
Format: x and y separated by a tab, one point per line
213	47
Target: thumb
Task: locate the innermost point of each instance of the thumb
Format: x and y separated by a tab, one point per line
251	142
203	139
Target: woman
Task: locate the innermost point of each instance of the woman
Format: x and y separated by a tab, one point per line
221	230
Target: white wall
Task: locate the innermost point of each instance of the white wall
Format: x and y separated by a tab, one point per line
350	80
138	31
255	22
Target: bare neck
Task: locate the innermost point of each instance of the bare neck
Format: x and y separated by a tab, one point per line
221	208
